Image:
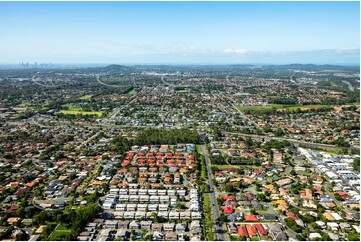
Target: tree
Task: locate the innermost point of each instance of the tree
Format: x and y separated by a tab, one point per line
261	197
338	197
148	237
223	218
228	188
243	238
180	205
325	237
354	236
356	164
159	219
300	238
279	132
214	169
292	225
21	236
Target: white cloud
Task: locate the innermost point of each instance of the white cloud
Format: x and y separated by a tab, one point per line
237	51
348	50
189	50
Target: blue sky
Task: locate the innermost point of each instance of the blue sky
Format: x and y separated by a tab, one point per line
180	32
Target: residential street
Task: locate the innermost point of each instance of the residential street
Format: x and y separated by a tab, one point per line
215	210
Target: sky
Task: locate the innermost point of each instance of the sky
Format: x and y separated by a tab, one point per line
180	32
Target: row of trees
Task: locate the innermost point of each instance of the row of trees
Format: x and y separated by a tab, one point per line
166	136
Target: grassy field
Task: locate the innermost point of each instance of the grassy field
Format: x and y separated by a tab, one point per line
203	169
237	166
244	108
182	91
62	227
59	233
199	149
132	92
86	97
330	152
24	104
70	111
77	110
282	106
304	107
208	219
224	166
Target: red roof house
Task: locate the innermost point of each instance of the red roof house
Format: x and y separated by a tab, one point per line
252	231
242	231
291	215
261	229
251	218
228	210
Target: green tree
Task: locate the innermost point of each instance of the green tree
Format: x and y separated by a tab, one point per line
353	236
356	164
228	188
261	197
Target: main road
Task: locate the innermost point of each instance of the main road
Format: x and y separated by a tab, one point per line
300	142
218	228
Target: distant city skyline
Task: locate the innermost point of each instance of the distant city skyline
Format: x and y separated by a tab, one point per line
180	32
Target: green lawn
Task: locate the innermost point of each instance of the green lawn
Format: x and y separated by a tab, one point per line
24	104
225	166
330	152
77	110
72	108
182	91
210	235
133	91
237	166
59	233
244	108
86	97
67	105
199	149
281	106
70	111
62	227
316	106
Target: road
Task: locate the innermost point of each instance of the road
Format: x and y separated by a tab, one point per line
338	203
167	83
289	232
105	84
317	145
350	87
218	228
33	79
228	101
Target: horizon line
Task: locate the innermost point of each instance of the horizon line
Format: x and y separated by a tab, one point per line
178	63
